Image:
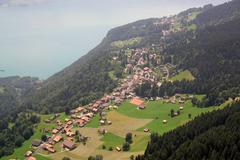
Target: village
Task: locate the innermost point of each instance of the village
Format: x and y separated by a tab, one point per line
64	133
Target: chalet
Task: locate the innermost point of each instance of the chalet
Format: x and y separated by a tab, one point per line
102	122
59	128
47	121
95	110
48	148
85	118
141	106
102	131
50	141
70	134
99	102
59	122
81	122
105	105
146	130
90	115
57	138
118	101
68	144
109	122
55	131
28	154
74	116
69	123
118	149
36	143
31	158
66	129
181	101
66	119
79	109
115	107
56	114
175	114
78	117
191	97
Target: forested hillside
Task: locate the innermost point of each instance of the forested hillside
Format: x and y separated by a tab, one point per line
87	79
16	123
212	136
211	53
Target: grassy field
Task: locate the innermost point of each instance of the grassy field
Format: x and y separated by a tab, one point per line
94	123
112	140
159	111
1	89
129	42
187	75
192	27
139	143
111	74
124	120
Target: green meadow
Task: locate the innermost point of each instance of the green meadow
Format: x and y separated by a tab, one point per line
187	75
159	111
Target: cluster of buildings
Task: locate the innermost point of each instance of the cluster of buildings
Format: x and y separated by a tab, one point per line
63	131
177	98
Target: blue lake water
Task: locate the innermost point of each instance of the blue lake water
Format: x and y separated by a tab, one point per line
43	54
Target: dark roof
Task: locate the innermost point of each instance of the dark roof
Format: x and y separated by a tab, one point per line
36	143
69	144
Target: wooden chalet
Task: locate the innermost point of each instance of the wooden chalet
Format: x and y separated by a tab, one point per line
68	144
36	143
57	138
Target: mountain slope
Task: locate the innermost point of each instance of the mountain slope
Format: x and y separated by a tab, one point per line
212	136
212	54
186	37
87	78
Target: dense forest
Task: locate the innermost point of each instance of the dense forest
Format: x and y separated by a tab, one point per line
212	136
16	123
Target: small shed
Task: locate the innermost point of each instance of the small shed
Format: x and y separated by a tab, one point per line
118	149
28	154
146	130
36	143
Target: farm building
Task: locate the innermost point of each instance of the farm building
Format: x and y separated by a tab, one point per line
31	158
57	138
118	149
146	130
55	131
28	154
48	148
164	121
36	143
69	145
102	131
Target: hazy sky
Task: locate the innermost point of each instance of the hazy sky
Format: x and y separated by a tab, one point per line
41	37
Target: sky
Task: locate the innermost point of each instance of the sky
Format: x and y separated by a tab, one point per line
41	37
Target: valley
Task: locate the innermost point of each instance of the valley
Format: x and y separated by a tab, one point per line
153	89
